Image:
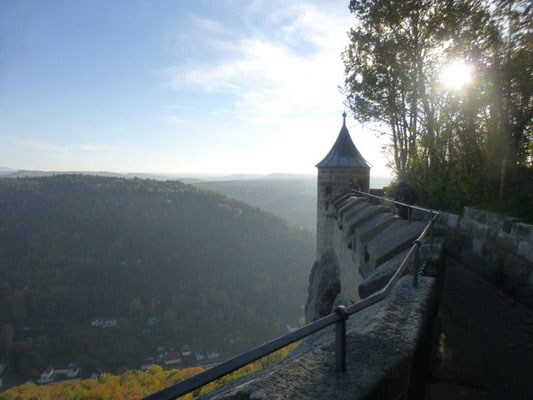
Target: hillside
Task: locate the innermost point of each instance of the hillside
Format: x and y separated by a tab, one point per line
212	272
291	196
292	199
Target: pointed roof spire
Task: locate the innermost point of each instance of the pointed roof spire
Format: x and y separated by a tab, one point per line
343	153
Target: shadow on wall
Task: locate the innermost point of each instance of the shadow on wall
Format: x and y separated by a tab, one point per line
498	248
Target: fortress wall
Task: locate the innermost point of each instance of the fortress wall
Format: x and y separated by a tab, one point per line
348	260
497	247
361	255
333	182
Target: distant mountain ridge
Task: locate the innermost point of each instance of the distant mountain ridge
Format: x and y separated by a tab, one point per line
185	178
12	173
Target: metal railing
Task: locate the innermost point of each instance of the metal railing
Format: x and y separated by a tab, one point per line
383	199
338	318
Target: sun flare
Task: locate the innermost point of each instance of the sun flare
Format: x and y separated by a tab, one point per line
456	75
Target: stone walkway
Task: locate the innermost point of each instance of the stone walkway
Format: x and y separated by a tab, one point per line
484	346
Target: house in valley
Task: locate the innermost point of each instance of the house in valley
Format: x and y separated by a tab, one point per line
73	371
172	358
212	354
185	350
199	356
110	323
47	376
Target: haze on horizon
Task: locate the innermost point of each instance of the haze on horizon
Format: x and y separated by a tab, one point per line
175	87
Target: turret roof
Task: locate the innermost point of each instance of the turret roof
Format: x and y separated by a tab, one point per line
343	153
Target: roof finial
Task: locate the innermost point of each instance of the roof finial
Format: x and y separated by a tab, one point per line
344	118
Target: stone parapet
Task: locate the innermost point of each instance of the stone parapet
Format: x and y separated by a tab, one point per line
497	247
387	354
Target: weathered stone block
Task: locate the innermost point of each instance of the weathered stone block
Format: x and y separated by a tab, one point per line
465	225
478	229
355	209
525	249
464	239
393	240
477	246
474	214
354	203
508	224
340	199
379	278
363	216
516	270
442	218
434	255
522	231
452	220
337	206
368	230
505	243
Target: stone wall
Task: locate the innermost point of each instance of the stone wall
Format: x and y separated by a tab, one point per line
498	248
367	244
333	182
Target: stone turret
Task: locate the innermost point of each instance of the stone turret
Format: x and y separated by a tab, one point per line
342	168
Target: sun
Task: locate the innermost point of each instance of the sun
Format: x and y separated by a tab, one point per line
456	75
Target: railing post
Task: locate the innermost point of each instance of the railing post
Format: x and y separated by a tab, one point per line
340	339
408	212
431	229
416	263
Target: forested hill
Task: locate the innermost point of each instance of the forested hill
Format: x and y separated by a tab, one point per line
214	271
292	199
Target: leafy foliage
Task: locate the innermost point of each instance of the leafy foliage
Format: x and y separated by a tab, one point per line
217	272
454	147
132	385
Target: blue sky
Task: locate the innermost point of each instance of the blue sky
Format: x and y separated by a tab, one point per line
174	86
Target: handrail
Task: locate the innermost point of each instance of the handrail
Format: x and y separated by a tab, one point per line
383	198
338	318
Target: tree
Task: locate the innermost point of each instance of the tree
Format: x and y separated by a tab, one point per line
446	143
6	336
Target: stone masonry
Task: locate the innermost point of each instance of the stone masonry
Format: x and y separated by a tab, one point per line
367	244
496	247
333	182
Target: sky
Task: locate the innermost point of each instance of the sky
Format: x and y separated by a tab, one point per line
209	86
